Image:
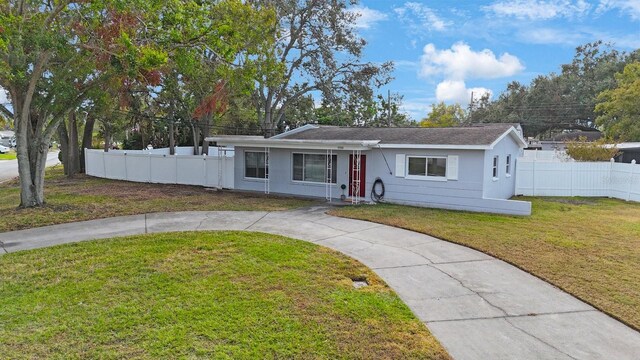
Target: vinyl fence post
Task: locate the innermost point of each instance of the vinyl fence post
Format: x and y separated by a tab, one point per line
631	168
610	178
104	165
176	167
533	190
126	177
571	171
204	167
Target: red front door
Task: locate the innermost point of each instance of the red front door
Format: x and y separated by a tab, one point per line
353	174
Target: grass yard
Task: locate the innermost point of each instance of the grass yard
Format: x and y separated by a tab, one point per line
588	247
11	155
223	295
86	198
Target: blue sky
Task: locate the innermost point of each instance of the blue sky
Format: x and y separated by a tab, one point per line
443	50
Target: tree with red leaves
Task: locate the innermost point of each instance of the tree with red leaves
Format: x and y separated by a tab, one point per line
53	53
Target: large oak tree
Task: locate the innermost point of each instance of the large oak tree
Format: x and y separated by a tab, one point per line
320	52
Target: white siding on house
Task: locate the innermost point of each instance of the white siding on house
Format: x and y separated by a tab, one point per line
465	193
504	185
281	174
467	185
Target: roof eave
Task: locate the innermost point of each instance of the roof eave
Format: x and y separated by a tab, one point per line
514	134
294	144
434	146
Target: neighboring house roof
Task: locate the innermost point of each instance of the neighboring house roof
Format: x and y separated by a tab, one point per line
478	137
575	135
625	146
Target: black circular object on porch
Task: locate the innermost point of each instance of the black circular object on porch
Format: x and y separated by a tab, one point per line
375	195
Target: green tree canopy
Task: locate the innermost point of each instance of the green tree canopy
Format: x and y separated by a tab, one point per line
320	52
443	115
619	108
558	101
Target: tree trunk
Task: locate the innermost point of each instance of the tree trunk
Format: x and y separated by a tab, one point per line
267	124
195	130
74	147
87	138
206	131
142	135
172	140
107	139
64	147
32	160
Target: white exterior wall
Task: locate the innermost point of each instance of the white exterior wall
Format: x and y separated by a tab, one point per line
281	174
465	193
441	191
504	186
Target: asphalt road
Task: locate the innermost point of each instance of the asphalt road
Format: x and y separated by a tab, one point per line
9	168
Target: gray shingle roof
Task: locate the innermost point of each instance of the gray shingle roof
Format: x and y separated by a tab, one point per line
480	134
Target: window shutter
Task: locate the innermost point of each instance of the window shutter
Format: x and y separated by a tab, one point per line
452	167
400	165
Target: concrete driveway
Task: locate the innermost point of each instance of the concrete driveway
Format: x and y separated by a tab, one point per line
9	168
477	306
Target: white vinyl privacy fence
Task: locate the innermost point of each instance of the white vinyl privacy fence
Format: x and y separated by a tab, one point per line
156	166
555	178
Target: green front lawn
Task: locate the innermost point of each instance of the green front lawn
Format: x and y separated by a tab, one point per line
588	247
223	295
86	198
11	155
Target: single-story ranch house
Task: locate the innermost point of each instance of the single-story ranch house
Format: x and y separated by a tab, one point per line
462	168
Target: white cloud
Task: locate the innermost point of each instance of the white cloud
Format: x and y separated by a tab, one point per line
630	41
574	37
631	7
539	9
367	17
406	64
460	62
420	18
457	91
541	35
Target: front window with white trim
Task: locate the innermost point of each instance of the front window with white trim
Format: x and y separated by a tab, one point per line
314	168
508	165
495	167
255	165
426	167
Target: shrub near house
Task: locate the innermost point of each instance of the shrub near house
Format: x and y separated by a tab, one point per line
583	150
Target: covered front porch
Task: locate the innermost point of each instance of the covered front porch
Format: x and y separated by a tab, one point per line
333	169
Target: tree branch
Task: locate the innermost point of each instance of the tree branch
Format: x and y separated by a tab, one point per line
38	70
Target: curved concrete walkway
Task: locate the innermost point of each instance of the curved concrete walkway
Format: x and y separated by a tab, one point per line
477	306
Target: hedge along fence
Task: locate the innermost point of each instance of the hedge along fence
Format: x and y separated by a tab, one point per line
155	166
595	179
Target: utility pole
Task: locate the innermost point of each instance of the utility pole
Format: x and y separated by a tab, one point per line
471	109
389	108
